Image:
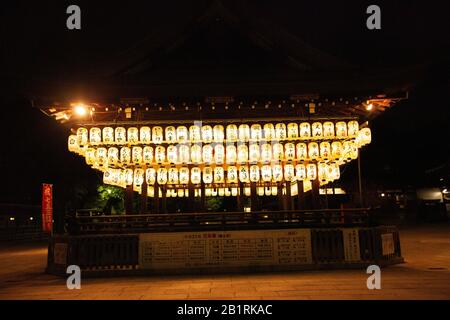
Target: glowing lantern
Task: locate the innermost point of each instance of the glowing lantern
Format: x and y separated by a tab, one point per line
269	131
184	175
171	134
113	155
268	191
328	130
273	191
244	175
302	151
335	171
289	172
219	175
207	153
260	191
234	192
133	135
266	173
145	135
266	152
364	136
289	151
207	134
278	153
157	135
195	133
95	135
280	131
90	156
150	176
232	133
82	137
147	154
196	153
305	130
231	154
151	191
219	153
120	134
221	192
313	150
160	154
195	175
254	173
311	171
277	173
242	153
244	132
207	175
101	156
253	152
300	171
183	154
136	155
125	155
180	193
108	135
138	178
256	132
352	128
232	175
172	176
292	130
336	150
72	143
341	130
322	171
347	152
317	130
354	152
218	132
162	176
182	134
172	154
127	176
325	150
247	191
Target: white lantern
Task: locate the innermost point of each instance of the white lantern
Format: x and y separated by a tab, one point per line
218	133
147	154
278	153
207	134
244	175
302	151
266	152
172	154
289	172
145	135
221	192
113	156
280	131
136	155
260	191
184	175
305	130
341	130
256	132
160	154
322	171
352	128
150	176
266	173
219	154
171	134
269	131
138	178
208	175
277	173
311	171
108	135
244	132
120	134
289	151
157	135
247	191
95	136
72	143
300	172
254	173
325	150
172	176
273	191
196	153
253	152
328	130
268	191
82	137
162	176
133	135
364	137
102	156
335	171
317	130
219	175
182	134
242	153
231	154
90	156
292	130
195	133
207	153
125	155
127	176
183	154
336	150
232	133
195	175
313	150
232	175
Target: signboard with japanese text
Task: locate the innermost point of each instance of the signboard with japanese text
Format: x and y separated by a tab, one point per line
351	244
47	207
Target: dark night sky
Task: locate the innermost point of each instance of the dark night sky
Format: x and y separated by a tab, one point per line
35	45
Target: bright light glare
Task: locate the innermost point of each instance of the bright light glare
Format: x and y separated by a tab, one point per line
369	107
80	110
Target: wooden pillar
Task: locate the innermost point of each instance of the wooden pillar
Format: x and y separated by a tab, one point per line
203	197
254	197
240	197
191	197
144	197
129	199
315	194
280	196
164	199
156	197
288	196
300	196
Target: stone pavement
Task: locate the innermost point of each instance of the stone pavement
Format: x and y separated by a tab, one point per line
425	275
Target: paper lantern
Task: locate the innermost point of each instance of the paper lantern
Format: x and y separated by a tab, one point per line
289	172
218	133
231	154
336	150
244	132
317	130
161	176
171	134
352	128
184	175
108	135
133	135
277	173
147	154
325	150
232	175
313	150
136	155
120	135
266	173
157	135
196	153
195	175
260	191
253	152
256	132
254	173
305	130
219	154
328	130
364	137
268	191
289	151
207	134
311	171
90	156
234	192
182	134
208	175
101	156
72	143
335	171
207	153
266	152
341	130
280	131
292	130
180	193
322	171
184	154
195	133
160	154
277	153
269	131
232	133
221	192
242	153
125	155
300	172
274	191
138	177
354	150
150	176
151	192
145	135
113	156
244	175
172	154
172	176
127	175
347	152
95	136
227	192
247	192
82	137
219	175
302	151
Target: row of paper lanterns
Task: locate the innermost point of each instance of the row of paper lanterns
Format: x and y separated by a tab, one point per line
217	133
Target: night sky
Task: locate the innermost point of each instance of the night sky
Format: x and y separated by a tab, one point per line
409	142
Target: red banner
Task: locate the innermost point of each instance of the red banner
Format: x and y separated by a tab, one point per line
47	207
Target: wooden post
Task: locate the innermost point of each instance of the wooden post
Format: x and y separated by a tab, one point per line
280	196
254	198
203	197
315	194
191	197
129	199
144	197
300	195
164	199
240	204
156	197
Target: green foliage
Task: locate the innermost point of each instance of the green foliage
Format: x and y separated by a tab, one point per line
214	203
